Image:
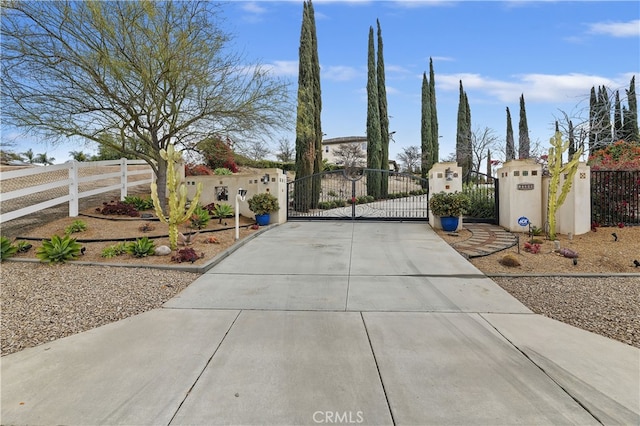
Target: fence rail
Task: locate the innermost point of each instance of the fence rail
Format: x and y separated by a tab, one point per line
30	190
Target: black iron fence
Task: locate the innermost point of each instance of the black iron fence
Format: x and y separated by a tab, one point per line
615	197
482	190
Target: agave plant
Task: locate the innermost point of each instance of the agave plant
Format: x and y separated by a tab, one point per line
59	250
8	249
221	211
142	247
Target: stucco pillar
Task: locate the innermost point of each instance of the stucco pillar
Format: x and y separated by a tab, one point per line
445	177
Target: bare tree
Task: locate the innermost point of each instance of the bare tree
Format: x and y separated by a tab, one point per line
481	141
411	159
131	75
350	155
286	151
256	149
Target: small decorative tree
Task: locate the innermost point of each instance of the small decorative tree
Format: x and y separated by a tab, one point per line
557	169
177	196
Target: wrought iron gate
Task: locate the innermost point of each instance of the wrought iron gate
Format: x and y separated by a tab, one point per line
349	194
483	193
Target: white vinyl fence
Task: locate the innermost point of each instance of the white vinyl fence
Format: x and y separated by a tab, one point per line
32	189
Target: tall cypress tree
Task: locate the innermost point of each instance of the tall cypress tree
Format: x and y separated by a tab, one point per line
572	140
632	100
617	119
510	150
384	117
317	99
306	118
468	166
426	133
463	136
435	139
374	146
604	117
593	100
523	130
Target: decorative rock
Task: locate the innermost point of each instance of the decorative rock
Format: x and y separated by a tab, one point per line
146	216
163	251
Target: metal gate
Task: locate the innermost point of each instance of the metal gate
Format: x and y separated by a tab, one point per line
349	194
482	190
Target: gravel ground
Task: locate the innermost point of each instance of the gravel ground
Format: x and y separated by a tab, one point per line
608	306
40	303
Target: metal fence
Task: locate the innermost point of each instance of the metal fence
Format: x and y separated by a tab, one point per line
482	190
615	197
342	194
32	189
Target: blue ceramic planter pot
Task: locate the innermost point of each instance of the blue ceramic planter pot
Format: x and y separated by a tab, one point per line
263	219
449	223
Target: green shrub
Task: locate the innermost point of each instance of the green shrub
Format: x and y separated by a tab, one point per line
221	211
76	226
23	246
200	217
332	193
138	202
114	250
142	247
8	249
58	250
221	171
449	204
263	203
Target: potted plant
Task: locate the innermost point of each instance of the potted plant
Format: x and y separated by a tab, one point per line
449	206
263	205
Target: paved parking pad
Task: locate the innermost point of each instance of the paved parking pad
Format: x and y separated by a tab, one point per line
327	323
286	368
429	294
288	255
605	378
134	371
452	369
277	292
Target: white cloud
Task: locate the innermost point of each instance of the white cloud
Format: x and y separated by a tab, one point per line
283	68
253	7
617	29
541	88
341	73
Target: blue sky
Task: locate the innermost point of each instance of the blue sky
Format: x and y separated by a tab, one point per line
553	52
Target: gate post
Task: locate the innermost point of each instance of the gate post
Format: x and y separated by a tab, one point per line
445	177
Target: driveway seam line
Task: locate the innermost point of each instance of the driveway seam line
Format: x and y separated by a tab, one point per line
204	368
566	391
375	360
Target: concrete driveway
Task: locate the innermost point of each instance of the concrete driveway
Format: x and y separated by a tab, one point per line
330	323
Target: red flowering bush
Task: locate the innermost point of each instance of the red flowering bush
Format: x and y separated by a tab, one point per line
196	170
618	156
218	153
